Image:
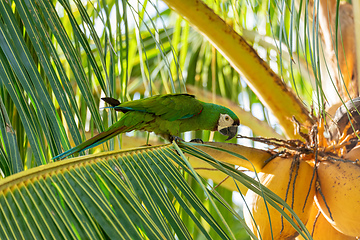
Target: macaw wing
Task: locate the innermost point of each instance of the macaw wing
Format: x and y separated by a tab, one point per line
170	107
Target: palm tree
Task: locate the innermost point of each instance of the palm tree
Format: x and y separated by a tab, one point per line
277	60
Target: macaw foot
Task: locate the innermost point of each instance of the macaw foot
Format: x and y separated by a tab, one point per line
197	140
176	139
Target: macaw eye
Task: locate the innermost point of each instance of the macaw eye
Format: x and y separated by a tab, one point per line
227	118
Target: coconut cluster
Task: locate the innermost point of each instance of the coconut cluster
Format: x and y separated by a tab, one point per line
318	177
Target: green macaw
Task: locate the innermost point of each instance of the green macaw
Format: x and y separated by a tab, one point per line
165	115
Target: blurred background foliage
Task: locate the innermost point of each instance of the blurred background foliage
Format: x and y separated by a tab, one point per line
58	58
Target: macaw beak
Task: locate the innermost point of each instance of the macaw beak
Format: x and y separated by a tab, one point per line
229	131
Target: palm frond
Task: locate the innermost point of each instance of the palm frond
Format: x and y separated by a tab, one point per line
126	194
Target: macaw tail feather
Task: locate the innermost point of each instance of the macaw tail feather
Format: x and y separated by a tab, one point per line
93	142
112	101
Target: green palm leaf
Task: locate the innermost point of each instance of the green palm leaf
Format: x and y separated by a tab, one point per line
121	195
55	65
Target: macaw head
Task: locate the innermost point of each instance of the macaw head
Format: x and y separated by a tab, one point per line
228	124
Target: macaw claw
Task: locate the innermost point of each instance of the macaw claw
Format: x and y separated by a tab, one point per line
176	139
197	140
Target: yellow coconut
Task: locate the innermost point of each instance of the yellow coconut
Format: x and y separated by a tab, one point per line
321	229
276	176
340	186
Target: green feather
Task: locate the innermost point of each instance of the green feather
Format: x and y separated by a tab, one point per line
166	115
